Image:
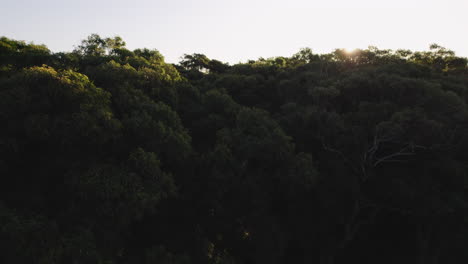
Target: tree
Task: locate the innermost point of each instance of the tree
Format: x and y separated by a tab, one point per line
94	45
109	155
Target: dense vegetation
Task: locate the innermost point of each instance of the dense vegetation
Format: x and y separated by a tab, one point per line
113	156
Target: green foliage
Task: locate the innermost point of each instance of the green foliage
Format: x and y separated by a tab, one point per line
41	104
109	155
94	45
15	55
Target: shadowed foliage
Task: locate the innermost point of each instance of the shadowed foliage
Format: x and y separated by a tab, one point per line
109	155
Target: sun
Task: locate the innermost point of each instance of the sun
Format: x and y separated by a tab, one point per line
349	51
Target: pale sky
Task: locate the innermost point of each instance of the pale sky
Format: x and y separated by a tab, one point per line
235	31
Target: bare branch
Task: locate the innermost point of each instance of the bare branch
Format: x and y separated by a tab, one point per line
407	150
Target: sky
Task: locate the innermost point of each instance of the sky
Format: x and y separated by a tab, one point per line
239	30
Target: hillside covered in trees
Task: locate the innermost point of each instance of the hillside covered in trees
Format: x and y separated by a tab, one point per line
109	155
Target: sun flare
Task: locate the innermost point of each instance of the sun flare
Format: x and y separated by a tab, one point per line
349	51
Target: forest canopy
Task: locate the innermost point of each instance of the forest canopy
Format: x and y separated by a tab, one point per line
109	155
